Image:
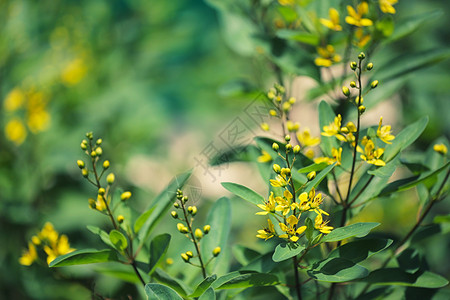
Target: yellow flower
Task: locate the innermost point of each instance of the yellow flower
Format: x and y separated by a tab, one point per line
268	207
38	120
265	157
327	56
279	181
320	225
303	204
285	204
28	256
265	126
370	154
334	129
291	230
362	39
356	18
337	157
309	154
384	133
61	247
286	2
440	148
386	6
267	232
306	140
15	131
74	72
14	100
333	22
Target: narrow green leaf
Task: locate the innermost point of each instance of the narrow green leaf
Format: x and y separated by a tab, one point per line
142	219
118	240
405	138
243	254
158	247
261	264
244	192
250	280
102	234
342	233
219	218
319	177
119	271
85	256
326	117
156	291
286	250
171	282
396	276
337	269
203	286
313	167
209	294
161	205
234	155
361	249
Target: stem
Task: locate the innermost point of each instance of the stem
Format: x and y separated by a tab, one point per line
337	186
297	279
361	191
133	263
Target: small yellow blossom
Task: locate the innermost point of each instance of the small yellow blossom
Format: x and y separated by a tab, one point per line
265	157
356	18
28	256
337	157
384	133
267	232
333	22
291	230
285	204
74	72
304	204
386	6
60	247
279	181
292	127
327	56
320	225
361	39
334	129
15	131
440	148
370	154
14	100
306	139
268	207
265	126
309	154
286	2
38	120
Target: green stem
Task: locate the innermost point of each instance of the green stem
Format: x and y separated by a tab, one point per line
297	278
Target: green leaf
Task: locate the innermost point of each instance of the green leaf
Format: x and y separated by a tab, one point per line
243	254
385	171
359	250
209	294
337	269
235	154
326	116
313	167
261	264
203	286
396	276
119	271
85	256
405	138
142	219
158	247
286	250
319	177
244	192
219	218
249	280
169	281
161	205
103	235
118	240
342	233
156	291
299	36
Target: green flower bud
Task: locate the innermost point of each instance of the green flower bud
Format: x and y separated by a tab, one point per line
353	65
185	199
206	229
276	168
84	145
106	164
369	66
288	147
345	91
99	151
361	56
374	84
85	172
120	219
275	146
80	164
296	149
185	257
99	141
125	196
190	254
216	251
311	175
101	191
90	135
174	214
110	178
287	138
179	194
198	233
352	84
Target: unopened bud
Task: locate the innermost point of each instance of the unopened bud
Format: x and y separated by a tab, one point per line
276	168
286	106
361	56
273	113
292	100
99	141
90	135
265	126
110	178
185	199
374	84
206	229
216	251
92	203
287	138
361	109
101	191
288	147
275	146
185	257
106	164
125	196
369	66
311	175
176	205
345	91
190	254
198	233
99	151
93	154
181	228
296	149
359	101
85	172
353	65
84	145
120	219
174	214
80	164
192	210
352	84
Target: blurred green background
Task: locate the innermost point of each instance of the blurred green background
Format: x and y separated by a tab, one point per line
157	81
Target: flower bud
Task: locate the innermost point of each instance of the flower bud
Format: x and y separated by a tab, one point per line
93	154
345	91
125	196
216	251
286	106
185	199
311	175
361	109
92	203
185	257
273	113
99	151
174	214
288	147
440	148
190	254
265	126
369	66
374	84
271	94
353	65
192	210
292	100
352	84
106	164
110	178
275	146
99	141
36	240
198	233
286	171
89	135
120	219
85	172
296	149
287	138
84	145
80	164
176	205
101	191
361	56
206	229
276	168
181	228
179	194
359	101
278	99
169	261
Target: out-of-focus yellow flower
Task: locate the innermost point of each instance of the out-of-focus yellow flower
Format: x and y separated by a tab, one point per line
370	154
309	154
38	120
306	139
266	233
60	247
320	225
14	100
356	18
265	157
48	233
386	6
15	131
286	2
333	22
28	256
268	207
384	133
327	56
361	39
291	230
440	148
74	72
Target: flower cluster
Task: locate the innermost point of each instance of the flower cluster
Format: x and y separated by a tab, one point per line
50	241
